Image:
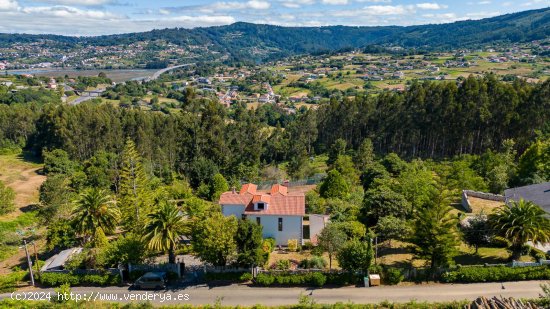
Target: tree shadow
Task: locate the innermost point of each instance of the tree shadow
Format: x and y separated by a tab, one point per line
31	157
477	259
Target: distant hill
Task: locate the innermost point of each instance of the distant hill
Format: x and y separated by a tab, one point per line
245	41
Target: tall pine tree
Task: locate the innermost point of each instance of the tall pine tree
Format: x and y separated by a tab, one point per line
135	194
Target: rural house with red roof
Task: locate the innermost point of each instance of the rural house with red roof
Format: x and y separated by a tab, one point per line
279	212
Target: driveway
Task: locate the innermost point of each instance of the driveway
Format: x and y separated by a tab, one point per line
233	295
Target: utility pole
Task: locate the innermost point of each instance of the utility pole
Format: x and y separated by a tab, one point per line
29	262
35	256
375	250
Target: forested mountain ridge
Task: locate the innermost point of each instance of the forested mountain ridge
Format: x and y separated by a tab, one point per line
245	41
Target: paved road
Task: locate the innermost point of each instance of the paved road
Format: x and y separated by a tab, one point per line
160	72
248	296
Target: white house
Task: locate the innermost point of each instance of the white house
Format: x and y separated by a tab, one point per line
279	212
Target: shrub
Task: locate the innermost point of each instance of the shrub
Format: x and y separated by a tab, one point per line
342	279
308	245
8	283
392	276
229	276
283	265
58	279
265	279
268	245
246	277
293	245
496	273
316	262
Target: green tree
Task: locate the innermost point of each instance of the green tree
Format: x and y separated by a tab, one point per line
57	161
55	198
164	228
95	209
390	227
337	149
520	222
352	229
344	165
249	242
356	256
330	240
434	231
7	199
126	249
214	239
382	201
476	231
218	185
364	155
334	186
135	195
60	235
534	163
415	183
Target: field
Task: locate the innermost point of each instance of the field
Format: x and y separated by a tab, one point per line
22	174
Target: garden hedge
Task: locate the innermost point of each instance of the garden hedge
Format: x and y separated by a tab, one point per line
57	279
495	274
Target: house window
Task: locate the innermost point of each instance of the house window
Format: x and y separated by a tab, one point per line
280	224
261	206
258	220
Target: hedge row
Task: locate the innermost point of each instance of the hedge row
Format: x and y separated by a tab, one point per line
285	279
496	273
229	276
57	279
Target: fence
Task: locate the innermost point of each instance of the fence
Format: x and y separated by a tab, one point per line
315	179
169	267
482	195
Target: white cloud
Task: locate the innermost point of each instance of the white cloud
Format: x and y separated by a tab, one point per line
387	9
431	6
226	6
8	5
67	12
375	1
80	2
484	2
335	2
295	4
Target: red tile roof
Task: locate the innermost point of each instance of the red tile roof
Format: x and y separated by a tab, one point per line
279	189
278	200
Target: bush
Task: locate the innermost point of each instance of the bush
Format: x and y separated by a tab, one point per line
496	274
246	277
309	279
342	279
537	254
283	265
229	276
292	245
392	276
8	283
58	279
316	262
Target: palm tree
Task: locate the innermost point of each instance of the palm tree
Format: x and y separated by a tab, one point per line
164	227
519	223
95	209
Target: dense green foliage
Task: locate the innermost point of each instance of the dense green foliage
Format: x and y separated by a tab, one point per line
57	279
7	198
523	221
281	279
498	273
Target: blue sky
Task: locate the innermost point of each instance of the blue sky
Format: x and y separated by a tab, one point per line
93	17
